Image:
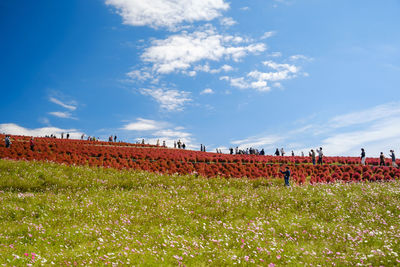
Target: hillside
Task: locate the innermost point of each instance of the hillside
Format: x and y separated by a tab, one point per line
70	215
170	161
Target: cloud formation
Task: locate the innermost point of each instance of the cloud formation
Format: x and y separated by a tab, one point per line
207	91
70	106
260	80
143	125
168	14
62	115
169	100
12	128
180	51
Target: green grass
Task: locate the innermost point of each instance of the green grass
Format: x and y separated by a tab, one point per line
92	216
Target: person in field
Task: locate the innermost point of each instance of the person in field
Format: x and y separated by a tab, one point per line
286	174
393	156
282	152
320	155
277	152
7	141
382	160
363	156
32	144
292	153
312	155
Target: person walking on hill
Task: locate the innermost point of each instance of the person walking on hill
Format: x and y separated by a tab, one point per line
312	155
282	152
277	152
320	155
382	160
7	141
393	156
363	157
287	176
32	144
115	138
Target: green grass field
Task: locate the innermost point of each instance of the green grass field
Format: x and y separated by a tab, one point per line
54	214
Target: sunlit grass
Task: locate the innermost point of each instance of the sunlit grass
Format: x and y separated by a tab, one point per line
76	215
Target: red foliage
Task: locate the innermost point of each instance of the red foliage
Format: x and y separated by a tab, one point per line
165	160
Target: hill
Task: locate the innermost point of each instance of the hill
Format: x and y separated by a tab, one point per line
160	159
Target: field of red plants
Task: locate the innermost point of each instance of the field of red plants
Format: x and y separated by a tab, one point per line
166	160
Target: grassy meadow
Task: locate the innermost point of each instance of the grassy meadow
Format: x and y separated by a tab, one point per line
68	215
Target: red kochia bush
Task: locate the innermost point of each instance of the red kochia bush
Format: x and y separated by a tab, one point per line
164	160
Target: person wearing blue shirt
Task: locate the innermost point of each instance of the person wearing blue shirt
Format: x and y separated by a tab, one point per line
287	176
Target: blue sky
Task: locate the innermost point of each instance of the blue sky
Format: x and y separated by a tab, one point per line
265	74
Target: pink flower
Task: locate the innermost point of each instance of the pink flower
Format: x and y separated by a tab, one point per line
246	258
278	257
271	265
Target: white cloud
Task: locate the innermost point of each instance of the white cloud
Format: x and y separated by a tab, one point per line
143	125
275	54
140	75
245	8
169	100
206	68
71	106
300	57
63	115
12	128
172	133
257	142
260	80
366	116
267	35
178	52
167	13
207	91
227	21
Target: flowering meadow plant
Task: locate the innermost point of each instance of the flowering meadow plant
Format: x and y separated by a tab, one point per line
61	215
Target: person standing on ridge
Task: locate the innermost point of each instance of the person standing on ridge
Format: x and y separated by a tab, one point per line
312	155
277	152
363	156
382	160
393	156
320	155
